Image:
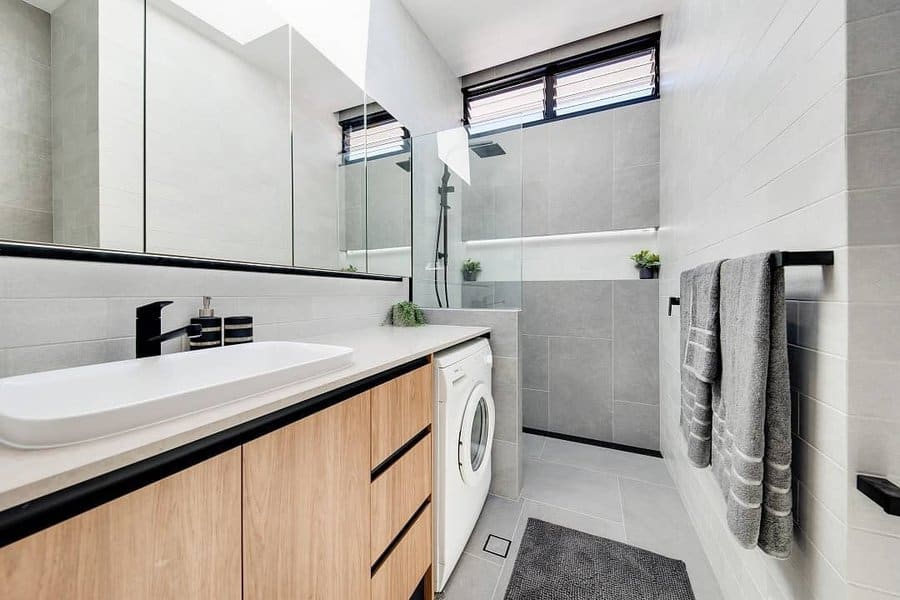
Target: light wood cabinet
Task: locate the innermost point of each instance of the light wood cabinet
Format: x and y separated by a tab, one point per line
408	563
398	493
306	507
175	539
333	505
401	408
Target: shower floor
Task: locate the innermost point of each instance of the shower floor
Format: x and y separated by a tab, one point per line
617	495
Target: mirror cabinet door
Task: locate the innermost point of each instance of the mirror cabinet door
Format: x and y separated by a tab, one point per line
71	123
225	134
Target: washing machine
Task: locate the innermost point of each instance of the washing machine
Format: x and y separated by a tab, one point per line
464	427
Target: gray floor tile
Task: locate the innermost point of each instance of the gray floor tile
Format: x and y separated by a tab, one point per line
499	517
655	519
534	445
554	514
588	492
472	579
624	464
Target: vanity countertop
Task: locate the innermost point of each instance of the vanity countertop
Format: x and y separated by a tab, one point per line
30	474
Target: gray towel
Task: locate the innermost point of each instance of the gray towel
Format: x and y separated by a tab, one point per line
751	451
699	357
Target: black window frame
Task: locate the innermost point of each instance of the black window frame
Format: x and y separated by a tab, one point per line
549	73
364	122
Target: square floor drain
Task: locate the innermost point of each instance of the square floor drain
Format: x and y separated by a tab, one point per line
497	545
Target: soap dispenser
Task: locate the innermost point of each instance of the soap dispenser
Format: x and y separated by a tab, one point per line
211	326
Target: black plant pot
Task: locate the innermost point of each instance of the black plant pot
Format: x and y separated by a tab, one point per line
648	272
470	275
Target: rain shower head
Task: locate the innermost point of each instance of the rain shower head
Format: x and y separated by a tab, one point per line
487	149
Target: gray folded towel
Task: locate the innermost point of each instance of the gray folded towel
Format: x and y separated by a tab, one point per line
699	357
751	449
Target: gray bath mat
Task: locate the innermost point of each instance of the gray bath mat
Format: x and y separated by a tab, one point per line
558	563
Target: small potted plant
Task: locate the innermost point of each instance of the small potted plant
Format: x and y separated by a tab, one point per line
406	314
470	269
647	262
350	269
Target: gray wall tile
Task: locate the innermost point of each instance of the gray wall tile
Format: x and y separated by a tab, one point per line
567	308
862	9
565	350
504	325
535	409
636	425
559	177
477	294
636	134
581	387
506	469
581	179
636	341
636	197
873	45
871	102
873	159
507	295
504	388
535	354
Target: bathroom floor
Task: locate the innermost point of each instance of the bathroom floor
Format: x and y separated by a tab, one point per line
618	495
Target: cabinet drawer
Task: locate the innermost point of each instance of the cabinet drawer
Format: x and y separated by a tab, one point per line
398	493
401	408
401	572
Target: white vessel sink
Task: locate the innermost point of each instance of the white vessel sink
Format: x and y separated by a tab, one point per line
56	408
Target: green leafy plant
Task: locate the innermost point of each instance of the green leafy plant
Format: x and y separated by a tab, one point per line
406	314
350	269
646	259
471	266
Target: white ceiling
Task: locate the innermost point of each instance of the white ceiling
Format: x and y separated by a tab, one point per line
473	35
46	5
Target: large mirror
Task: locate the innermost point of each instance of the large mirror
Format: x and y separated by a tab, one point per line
198	128
71	122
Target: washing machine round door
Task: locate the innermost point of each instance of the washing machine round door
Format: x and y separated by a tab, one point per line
476	436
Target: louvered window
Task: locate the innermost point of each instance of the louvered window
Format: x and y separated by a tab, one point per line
602	79
611	82
377	135
516	105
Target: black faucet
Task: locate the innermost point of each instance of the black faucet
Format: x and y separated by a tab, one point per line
148	327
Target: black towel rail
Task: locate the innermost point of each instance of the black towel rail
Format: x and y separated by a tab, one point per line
881	491
804	258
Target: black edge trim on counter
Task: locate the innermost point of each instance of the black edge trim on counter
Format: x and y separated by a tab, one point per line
881	491
399	537
400	453
593	442
26	519
26	250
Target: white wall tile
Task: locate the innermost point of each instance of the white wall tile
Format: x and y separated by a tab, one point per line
57	314
872	560
754	158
